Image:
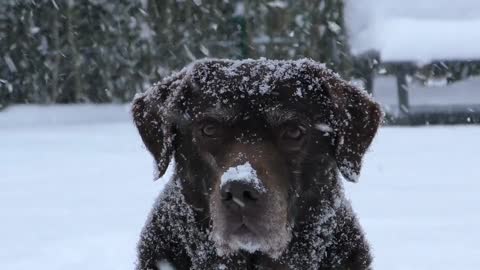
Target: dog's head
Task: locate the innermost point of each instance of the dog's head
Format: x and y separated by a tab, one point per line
253	140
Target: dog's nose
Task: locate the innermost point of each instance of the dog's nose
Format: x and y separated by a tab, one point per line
239	193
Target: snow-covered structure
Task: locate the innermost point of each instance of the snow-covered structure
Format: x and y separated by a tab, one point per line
434	42
421	31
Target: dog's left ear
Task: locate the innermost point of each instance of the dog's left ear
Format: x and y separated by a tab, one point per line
356	118
157	134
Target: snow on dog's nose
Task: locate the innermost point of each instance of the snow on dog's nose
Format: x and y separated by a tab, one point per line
240	186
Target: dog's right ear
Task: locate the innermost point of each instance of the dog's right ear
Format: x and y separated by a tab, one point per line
156	132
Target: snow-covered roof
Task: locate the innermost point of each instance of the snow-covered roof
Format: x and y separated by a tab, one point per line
404	31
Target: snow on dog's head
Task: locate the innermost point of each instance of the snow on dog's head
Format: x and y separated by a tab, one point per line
348	113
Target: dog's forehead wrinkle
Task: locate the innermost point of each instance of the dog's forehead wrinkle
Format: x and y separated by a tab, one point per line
223	114
279	116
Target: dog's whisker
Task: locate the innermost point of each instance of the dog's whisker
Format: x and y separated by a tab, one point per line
205	218
199	209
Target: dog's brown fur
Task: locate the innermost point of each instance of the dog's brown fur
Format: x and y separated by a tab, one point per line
297	124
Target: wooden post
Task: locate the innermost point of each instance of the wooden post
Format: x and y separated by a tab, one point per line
245	41
369	79
402	88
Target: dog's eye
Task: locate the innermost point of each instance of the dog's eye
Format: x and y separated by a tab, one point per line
293	132
210	130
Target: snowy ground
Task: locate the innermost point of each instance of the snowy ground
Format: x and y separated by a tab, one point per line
74	194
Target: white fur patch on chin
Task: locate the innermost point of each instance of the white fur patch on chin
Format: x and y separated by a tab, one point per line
244	244
273	249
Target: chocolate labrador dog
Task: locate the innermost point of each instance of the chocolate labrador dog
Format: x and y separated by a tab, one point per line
259	146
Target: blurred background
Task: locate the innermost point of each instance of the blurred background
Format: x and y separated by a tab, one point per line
419	58
74	176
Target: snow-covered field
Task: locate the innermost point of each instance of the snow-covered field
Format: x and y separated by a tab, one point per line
75	189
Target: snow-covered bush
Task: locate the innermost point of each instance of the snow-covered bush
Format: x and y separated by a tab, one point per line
102	51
